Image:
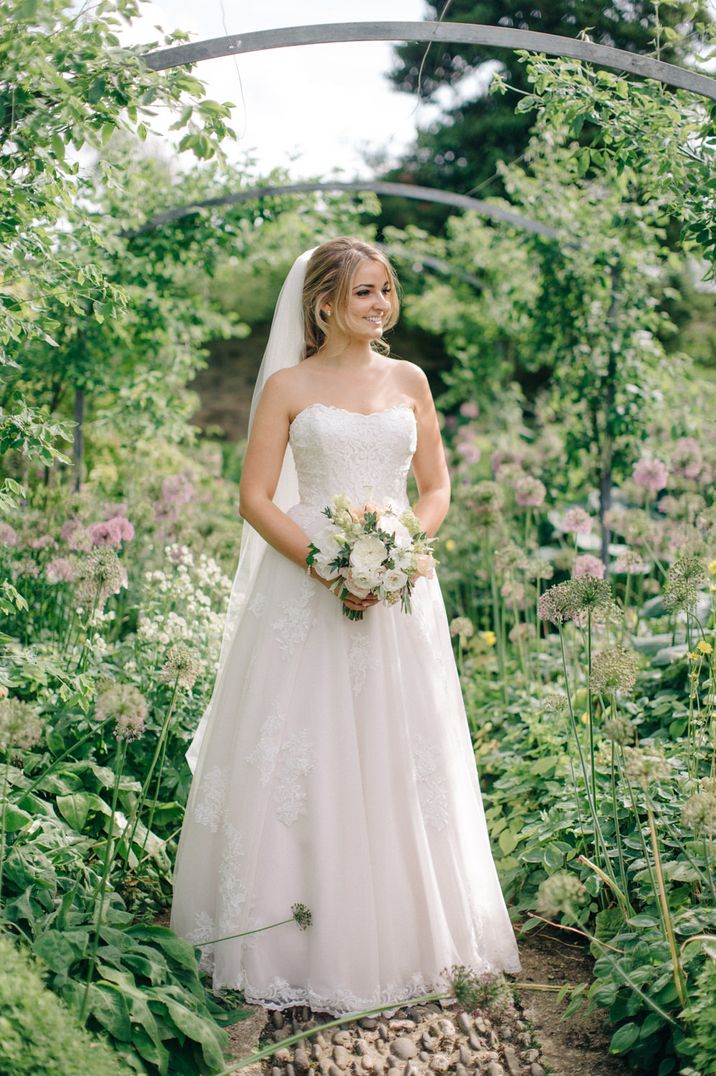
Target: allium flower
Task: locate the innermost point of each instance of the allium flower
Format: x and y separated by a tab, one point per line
26	566
646	764
560	893
99	575
60	570
501	456
126	704
669	505
469	409
706	522
177	489
20	725
462	626
8	535
521	632
586	593
629	563
302	915
686	459
538	568
651	474
619	730
614	669
529	491
111	531
181	666
42	541
699	814
509	557
485	500
74	533
468	451
554	703
513	592
577	521
586	564
684	579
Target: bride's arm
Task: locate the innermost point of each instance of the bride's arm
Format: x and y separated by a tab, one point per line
429	463
261	470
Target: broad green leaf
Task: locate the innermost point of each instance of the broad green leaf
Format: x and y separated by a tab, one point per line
624	1038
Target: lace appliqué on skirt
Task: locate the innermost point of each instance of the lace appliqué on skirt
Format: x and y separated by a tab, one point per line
291	628
431	786
288	761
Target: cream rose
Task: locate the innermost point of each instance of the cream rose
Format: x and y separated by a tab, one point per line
368	554
425	564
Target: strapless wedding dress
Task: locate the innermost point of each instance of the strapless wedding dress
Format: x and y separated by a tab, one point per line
338	772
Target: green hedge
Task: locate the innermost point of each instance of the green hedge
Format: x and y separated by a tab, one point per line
38	1034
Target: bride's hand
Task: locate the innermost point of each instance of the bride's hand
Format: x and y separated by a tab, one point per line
350	601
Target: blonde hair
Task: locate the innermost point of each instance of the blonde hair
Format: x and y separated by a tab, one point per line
329	275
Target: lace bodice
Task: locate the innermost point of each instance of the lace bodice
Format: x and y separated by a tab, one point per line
365	456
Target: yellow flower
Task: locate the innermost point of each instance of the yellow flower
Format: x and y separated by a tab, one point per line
584	718
488	637
704	647
450	544
693	655
712	588
712	567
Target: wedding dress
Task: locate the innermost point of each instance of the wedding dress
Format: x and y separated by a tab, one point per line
338	772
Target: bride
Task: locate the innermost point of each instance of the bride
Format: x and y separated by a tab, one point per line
335	797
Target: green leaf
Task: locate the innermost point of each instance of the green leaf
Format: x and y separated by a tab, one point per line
76	807
624	1038
15	818
109	1007
55	950
508	841
553	858
200	1029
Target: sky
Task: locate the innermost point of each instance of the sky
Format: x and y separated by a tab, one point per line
312	108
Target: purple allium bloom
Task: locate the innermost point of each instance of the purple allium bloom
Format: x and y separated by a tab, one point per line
501	456
110	510
42	541
111	531
8	535
588	565
177	489
651	474
529	491
686	459
468	451
60	570
73	532
577	521
469	409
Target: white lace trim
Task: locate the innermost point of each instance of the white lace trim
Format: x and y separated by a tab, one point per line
279	994
257	603
431	784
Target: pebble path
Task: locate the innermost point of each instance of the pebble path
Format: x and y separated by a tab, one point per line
435	1037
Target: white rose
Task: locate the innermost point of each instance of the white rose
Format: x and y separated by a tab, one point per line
322	566
368	554
357	584
394	579
392	525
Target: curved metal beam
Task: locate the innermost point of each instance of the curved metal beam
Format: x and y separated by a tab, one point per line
460	33
398	190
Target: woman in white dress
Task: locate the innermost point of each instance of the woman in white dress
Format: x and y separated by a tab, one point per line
334	768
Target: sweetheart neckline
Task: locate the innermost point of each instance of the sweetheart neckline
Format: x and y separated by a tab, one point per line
347	411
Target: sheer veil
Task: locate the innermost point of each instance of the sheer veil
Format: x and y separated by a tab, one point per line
284	348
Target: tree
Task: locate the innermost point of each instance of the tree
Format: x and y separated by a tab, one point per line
461	150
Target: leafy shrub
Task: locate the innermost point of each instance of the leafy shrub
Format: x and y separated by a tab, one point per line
37	1033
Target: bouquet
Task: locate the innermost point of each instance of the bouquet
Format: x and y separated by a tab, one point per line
372	549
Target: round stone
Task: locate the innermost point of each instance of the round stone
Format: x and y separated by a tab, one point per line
341	1056
301	1062
440	1063
369	1023
342	1038
465	1023
403	1047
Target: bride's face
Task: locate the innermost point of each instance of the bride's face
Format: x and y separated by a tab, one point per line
368	304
